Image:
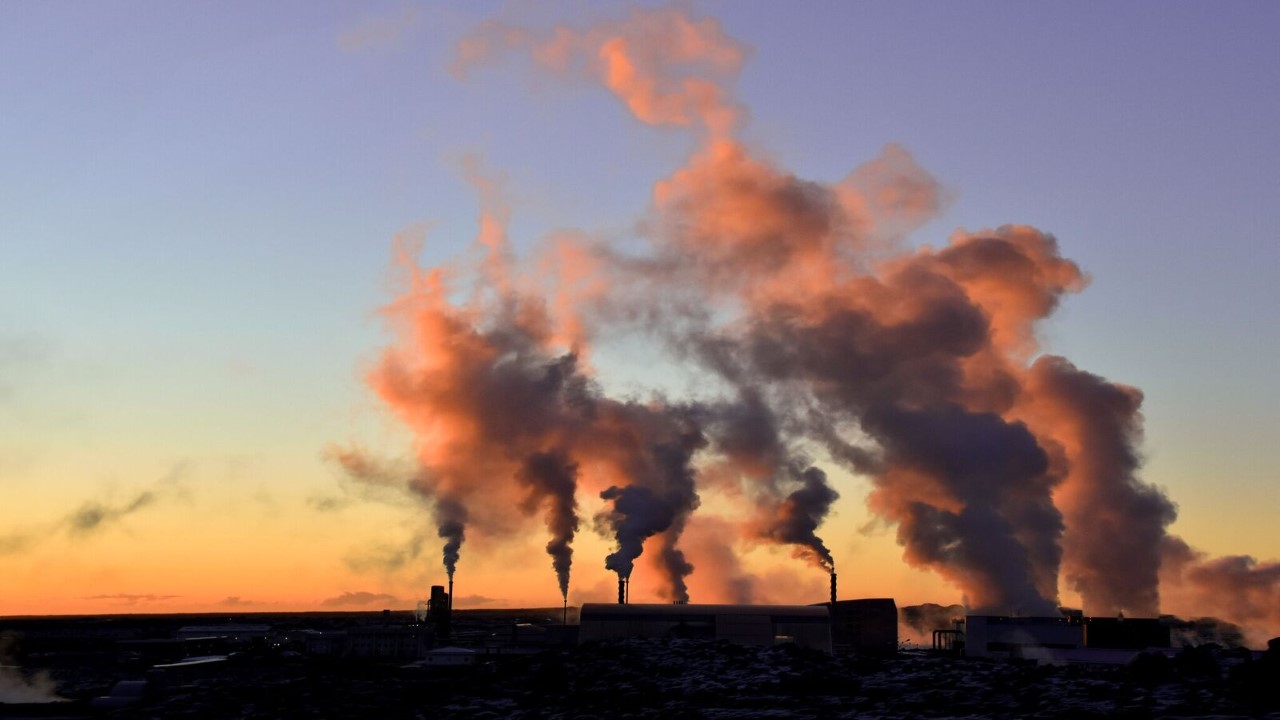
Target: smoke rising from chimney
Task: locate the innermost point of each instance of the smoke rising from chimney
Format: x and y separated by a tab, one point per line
552	480
820	341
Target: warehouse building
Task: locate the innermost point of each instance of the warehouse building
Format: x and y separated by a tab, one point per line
866	626
1040	638
804	625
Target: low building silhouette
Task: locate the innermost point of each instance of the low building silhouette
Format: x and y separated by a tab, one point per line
804	625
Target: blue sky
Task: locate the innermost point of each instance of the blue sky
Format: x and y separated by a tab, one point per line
197	203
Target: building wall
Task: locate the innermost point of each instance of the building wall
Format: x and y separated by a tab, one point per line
1125	633
386	642
1029	637
763	625
867	625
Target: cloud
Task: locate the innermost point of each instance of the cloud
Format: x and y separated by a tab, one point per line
235	601
378	31
386	557
130	599
94	516
360	598
329	503
14	543
475	600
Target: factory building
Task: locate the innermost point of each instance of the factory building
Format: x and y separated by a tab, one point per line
1041	638
387	642
867	626
804	625
1062	639
1126	633
234	632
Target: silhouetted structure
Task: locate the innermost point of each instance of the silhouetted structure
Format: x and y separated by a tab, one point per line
387	642
1125	633
440	611
867	625
1040	638
804	625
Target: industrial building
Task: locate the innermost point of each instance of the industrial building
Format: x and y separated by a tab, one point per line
1060	639
996	636
804	625
866	626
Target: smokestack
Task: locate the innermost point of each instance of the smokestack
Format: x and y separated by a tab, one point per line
622	591
450	592
833	591
627	594
564	619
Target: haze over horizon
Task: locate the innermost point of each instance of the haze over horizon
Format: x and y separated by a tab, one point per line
214	391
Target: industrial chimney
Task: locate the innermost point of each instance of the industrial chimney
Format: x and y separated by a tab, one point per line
833	591
439	611
622	591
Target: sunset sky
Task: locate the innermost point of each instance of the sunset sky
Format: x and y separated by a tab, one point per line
199	207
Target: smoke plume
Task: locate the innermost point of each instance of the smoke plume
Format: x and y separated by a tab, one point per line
1115	524
796	519
1237	588
818	340
924	619
17	686
552	480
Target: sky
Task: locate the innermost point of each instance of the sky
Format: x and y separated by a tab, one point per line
200	206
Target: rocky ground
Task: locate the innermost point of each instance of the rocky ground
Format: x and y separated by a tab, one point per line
706	679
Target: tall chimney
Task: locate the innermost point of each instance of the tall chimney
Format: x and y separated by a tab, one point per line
451	592
622	591
833	591
628	593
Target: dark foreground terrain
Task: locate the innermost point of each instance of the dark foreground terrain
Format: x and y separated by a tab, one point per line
676	678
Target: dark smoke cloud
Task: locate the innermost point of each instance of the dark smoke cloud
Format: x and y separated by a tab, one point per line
1115	523
815	335
796	519
926	618
1240	589
996	524
552	480
451	524
671	560
658	446
96	516
16	542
